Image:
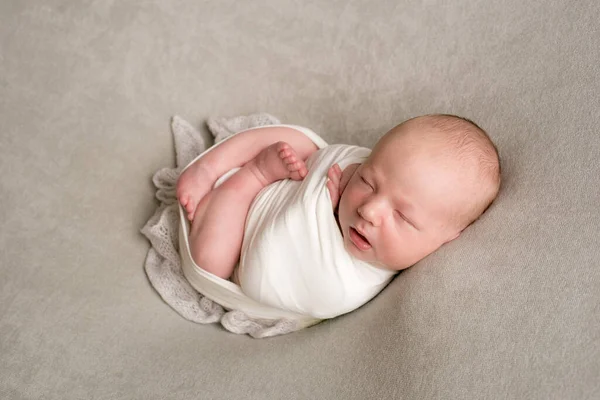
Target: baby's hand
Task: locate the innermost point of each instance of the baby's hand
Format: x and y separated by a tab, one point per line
333	184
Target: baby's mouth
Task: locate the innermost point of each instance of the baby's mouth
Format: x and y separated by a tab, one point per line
359	240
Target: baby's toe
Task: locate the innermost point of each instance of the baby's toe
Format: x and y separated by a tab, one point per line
283	149
303	171
191	212
283	153
183	200
291	160
189	207
293	166
282	146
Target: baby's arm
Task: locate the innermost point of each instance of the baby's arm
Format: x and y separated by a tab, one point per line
199	178
245	146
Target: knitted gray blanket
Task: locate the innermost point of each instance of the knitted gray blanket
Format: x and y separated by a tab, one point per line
163	264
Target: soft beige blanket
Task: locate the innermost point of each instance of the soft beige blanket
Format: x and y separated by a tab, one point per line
163	263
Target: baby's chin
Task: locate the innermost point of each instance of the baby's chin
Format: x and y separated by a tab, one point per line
367	257
362	256
383	266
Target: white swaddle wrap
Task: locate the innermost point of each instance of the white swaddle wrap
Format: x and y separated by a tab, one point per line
293	262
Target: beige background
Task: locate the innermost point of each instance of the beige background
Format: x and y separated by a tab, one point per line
511	310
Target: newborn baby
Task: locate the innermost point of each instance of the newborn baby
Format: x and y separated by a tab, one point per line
425	181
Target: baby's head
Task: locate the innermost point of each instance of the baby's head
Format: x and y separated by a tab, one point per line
425	181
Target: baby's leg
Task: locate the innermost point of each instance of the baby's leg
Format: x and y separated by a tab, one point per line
193	184
218	225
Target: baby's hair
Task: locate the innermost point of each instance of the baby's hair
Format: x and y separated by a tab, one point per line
472	145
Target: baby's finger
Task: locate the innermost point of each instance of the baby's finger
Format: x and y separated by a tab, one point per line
336	169
332	187
331	174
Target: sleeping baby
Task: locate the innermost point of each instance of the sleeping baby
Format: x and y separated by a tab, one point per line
320	229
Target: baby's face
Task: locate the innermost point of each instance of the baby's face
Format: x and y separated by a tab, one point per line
397	207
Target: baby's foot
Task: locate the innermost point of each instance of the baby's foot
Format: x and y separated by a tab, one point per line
278	161
333	184
193	184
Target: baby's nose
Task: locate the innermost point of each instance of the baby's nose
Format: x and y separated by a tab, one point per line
371	212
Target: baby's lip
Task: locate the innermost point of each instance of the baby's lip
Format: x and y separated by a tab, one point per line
359	241
362	233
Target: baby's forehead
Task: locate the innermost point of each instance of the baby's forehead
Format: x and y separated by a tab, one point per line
394	150
416	142
416	163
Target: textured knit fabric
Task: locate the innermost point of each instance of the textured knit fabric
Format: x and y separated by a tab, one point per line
163	262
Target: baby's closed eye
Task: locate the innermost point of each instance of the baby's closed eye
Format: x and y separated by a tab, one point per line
403	218
362	178
400	215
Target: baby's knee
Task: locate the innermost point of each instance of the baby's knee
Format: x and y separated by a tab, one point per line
211	259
